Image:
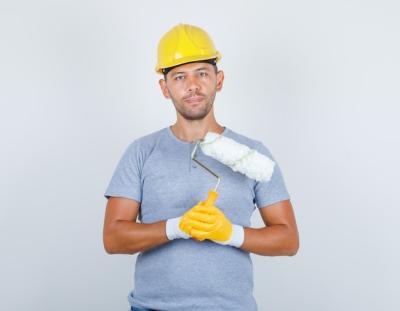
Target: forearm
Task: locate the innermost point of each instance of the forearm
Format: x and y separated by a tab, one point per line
274	240
129	237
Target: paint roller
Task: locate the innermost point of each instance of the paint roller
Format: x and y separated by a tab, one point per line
239	157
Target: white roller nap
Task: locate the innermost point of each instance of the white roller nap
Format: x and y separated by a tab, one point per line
238	157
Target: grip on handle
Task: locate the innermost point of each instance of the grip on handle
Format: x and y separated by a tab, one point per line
212	197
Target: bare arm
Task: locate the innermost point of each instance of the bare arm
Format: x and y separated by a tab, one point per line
123	235
279	237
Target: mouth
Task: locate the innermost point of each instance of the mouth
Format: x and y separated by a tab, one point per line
193	99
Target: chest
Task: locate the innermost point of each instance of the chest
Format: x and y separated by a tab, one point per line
172	183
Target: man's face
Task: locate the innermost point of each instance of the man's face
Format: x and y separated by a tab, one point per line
192	88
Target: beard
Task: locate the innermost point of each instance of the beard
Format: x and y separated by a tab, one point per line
195	112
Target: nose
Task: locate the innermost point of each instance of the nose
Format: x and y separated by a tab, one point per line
192	83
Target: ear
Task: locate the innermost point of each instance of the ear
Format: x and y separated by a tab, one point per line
220	80
164	89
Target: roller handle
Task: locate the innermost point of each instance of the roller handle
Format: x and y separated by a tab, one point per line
212	197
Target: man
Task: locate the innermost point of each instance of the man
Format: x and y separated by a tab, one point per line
182	265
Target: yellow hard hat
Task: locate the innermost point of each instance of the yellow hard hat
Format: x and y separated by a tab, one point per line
184	44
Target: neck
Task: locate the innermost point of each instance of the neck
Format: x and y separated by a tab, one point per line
194	130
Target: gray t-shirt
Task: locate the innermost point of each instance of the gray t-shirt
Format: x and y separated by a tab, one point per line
157	171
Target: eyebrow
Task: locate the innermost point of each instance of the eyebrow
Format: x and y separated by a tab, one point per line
183	72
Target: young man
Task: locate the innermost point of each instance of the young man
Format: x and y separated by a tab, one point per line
185	267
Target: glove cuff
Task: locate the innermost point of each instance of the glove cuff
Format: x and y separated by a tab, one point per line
237	237
171	228
173	231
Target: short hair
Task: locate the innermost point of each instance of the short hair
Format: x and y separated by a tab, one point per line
209	61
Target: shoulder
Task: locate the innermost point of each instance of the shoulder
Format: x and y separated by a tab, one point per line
142	146
248	141
147	141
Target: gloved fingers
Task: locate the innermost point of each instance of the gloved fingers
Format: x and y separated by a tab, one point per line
198	234
204	217
187	223
212	210
200	203
209	210
199	225
184	227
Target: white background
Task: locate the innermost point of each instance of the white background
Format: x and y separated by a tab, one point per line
316	81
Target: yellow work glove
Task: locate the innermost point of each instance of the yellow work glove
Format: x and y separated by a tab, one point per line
209	222
173	227
184	226
185	222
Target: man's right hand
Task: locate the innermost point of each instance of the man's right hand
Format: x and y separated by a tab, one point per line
173	230
174	225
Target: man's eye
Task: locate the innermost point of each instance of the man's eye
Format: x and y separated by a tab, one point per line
203	74
177	78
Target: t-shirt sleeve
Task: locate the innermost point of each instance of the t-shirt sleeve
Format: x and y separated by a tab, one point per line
274	190
126	180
